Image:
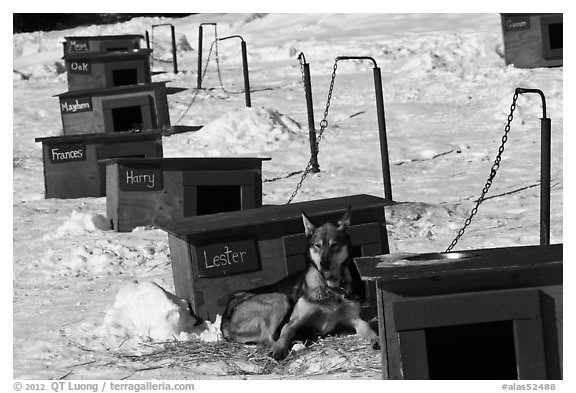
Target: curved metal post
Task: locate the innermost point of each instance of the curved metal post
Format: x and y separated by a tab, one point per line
381	123
244	67
545	158
200	39
173	42
310	110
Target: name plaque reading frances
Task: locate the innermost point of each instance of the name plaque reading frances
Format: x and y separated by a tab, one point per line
67	153
227	258
140	179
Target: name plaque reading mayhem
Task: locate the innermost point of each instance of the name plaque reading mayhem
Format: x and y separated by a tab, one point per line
76	105
140	179
67	153
227	258
79	46
80	67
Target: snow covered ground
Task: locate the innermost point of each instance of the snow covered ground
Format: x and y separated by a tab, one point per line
447	95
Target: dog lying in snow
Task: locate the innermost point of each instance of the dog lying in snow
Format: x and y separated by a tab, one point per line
320	298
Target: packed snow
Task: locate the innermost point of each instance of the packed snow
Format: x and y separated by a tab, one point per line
82	291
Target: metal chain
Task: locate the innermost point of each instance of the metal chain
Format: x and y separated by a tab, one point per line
217	57
323	125
197	90
491	177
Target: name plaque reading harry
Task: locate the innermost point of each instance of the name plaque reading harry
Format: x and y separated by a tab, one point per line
80	67
227	258
67	153
75	105
79	46
140	179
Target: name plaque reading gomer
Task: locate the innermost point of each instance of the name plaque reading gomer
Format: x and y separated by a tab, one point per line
140	179
227	258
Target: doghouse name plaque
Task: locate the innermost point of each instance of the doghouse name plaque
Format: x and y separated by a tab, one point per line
67	153
80	67
75	105
140	179
227	258
79	46
516	23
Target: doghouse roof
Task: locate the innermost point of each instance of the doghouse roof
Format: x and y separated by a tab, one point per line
281	215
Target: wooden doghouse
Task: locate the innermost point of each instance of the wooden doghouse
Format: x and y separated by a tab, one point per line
98	70
216	255
122	108
533	40
71	168
478	314
145	191
102	43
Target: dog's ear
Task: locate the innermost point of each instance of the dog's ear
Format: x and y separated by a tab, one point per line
309	227
344	222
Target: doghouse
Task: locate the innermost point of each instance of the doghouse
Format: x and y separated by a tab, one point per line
71	168
123	108
145	191
102	43
533	40
215	255
477	314
98	70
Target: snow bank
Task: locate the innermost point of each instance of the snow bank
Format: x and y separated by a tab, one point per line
146	309
80	223
244	131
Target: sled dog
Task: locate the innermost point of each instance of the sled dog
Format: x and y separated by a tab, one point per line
318	299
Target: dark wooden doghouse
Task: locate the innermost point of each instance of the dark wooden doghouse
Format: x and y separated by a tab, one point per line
478	314
71	168
102	43
215	255
533	40
122	108
145	191
99	70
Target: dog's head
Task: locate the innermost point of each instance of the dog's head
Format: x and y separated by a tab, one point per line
329	246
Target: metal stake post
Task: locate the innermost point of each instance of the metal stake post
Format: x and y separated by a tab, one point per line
244	68
310	109
173	34
545	155
381	123
382	133
200	38
174	58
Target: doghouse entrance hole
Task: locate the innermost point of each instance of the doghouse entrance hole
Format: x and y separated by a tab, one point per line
218	199
475	351
128	76
360	286
555	34
127	118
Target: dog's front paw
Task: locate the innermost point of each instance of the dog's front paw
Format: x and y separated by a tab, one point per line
278	353
375	343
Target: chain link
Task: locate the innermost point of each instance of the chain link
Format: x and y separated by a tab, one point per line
323	125
491	177
197	90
